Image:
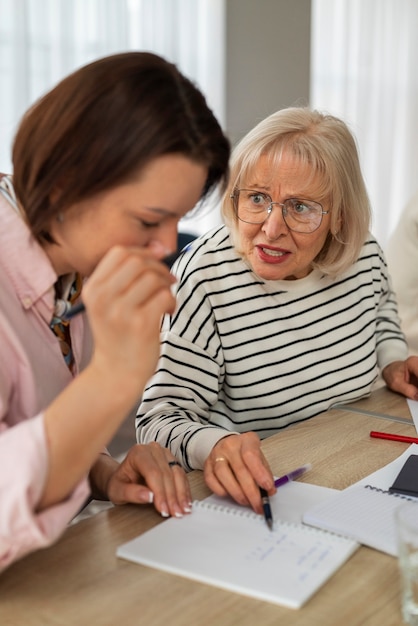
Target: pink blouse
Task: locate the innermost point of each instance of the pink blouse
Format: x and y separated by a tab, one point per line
32	373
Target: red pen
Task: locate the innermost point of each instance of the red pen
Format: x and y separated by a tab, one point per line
392	437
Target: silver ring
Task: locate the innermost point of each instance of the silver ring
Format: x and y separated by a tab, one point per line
173	463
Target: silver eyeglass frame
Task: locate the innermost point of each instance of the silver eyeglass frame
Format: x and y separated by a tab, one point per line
234	196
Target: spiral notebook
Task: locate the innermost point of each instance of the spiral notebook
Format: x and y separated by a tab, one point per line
365	511
233	549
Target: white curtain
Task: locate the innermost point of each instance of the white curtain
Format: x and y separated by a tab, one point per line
364	68
43	40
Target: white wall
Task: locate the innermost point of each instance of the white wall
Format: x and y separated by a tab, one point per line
267	68
267	59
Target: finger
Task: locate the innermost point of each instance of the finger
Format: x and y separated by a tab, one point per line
139	473
143	290
408	390
210	477
412	370
243	487
166	482
118	255
246	469
133	270
233	477
128	275
135	266
181	494
132	493
256	462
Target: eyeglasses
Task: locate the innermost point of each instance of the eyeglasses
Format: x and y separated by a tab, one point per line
254	207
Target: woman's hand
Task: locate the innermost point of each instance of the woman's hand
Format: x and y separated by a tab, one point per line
402	377
126	297
237	467
146	475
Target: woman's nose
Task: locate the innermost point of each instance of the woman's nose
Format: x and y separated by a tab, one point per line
168	236
274	226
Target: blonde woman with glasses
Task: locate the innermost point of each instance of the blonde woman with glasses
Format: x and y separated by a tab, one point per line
282	312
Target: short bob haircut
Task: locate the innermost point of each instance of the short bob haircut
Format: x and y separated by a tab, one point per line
102	124
325	144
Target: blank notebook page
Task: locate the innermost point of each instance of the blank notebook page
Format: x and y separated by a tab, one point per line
365	511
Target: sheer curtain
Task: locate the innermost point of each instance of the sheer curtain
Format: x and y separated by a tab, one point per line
364	69
43	40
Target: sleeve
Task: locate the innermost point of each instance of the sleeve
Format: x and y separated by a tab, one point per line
23	450
390	340
177	404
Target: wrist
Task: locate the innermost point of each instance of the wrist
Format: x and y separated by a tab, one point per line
100	474
119	390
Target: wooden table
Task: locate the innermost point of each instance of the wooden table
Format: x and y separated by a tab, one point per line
382	403
80	582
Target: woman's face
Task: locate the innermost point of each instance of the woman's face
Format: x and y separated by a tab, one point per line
143	212
272	249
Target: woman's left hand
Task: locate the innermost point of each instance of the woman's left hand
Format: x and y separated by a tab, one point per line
402	377
150	473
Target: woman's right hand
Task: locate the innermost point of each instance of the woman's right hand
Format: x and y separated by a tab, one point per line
237	467
125	298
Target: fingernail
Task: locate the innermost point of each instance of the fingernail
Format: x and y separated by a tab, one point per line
164	511
145	497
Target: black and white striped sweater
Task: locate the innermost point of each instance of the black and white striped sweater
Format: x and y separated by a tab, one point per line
241	353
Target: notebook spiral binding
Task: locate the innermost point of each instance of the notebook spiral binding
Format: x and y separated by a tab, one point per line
389	493
225	509
278	524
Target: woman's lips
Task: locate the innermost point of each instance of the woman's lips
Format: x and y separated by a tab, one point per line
272	255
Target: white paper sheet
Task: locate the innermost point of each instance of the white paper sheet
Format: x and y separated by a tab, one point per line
413	407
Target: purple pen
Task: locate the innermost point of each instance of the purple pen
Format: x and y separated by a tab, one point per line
292	475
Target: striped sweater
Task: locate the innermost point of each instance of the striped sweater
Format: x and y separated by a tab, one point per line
241	353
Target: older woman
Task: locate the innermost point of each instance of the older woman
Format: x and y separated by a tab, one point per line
281	313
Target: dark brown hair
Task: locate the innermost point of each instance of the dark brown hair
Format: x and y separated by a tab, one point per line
102	124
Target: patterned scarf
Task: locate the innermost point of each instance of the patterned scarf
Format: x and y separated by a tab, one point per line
67	290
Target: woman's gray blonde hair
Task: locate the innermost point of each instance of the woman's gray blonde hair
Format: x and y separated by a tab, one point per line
327	146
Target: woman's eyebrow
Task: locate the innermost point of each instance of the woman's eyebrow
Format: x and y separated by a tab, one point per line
160	211
265	188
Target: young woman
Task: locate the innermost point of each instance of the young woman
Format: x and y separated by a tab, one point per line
104	166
